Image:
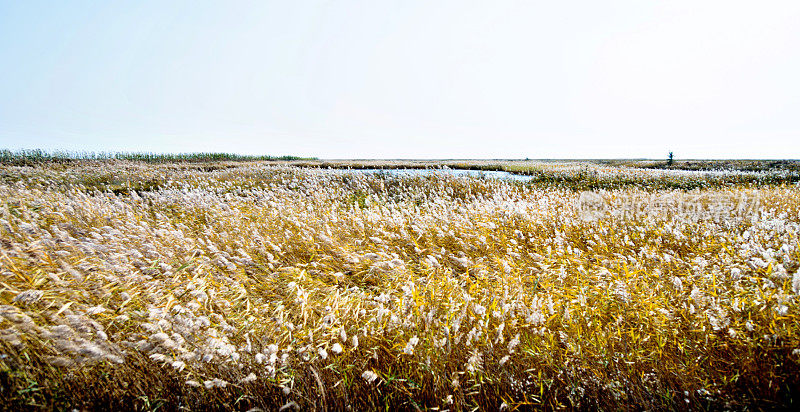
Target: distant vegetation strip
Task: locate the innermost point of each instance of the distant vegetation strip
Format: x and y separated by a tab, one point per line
21	157
519	165
595	174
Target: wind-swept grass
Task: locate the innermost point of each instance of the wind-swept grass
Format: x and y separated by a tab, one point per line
264	286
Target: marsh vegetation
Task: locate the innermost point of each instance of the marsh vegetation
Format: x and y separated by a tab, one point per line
134	285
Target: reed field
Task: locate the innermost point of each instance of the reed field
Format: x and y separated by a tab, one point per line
134	284
33	157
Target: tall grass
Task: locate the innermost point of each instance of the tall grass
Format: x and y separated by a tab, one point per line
34	156
263	286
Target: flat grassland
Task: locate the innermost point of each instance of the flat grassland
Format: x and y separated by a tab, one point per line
236	285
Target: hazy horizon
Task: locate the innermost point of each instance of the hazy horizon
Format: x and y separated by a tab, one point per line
404	80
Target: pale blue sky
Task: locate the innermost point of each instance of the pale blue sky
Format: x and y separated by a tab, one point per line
404	79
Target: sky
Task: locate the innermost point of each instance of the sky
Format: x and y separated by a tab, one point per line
404	79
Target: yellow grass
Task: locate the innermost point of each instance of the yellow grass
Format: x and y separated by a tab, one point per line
124	285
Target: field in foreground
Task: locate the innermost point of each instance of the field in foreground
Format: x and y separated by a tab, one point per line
126	285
